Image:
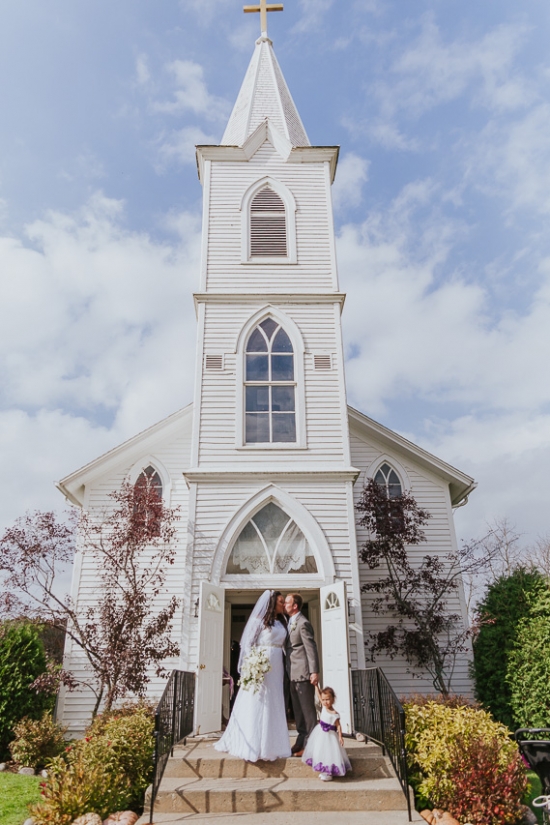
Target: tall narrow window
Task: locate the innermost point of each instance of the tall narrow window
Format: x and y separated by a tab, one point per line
270	389
148	500
389	480
267	225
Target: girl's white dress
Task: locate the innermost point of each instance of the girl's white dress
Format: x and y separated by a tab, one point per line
257	727
323	751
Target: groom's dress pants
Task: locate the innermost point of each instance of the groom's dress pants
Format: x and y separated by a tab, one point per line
303	704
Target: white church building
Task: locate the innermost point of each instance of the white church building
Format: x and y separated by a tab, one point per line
268	461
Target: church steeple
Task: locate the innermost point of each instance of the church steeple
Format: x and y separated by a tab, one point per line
264	95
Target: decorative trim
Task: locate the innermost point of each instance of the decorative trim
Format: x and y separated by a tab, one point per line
299	378
375	465
290	216
214	476
303	518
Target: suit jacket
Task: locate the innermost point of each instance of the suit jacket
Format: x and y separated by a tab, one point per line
302	658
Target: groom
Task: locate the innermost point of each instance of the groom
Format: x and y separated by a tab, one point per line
302	666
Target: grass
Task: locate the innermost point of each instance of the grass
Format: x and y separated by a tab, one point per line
16	792
535	791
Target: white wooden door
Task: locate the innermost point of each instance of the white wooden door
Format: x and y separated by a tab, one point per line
336	661
208	701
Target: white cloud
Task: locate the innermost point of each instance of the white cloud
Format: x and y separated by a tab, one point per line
191	93
97	321
142	70
179	146
352	174
512	158
313	14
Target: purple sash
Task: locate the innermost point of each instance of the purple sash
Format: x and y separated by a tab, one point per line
326	727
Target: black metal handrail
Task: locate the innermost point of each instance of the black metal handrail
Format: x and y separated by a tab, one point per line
173	722
379	715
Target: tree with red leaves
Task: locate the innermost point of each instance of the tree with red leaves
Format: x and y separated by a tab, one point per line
124	628
414	591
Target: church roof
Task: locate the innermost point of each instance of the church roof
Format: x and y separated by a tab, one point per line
264	95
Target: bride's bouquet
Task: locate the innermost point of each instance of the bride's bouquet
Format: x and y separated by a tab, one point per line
254	668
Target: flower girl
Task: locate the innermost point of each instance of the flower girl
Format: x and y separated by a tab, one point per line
324	750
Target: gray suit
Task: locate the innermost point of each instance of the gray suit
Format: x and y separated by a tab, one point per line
302	659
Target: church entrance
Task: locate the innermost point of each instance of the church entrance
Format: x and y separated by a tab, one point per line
223	612
238	606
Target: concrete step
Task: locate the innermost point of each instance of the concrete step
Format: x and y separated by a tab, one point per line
200	760
305	818
278	794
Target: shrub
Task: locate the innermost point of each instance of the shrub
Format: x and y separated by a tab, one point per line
484	792
528	676
505	604
37	740
433	731
106	771
22	660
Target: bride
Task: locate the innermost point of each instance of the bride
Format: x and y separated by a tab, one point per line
257	727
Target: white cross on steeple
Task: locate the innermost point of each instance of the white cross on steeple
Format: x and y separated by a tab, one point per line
263	8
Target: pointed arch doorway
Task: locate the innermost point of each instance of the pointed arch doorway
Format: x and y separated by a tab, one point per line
271	544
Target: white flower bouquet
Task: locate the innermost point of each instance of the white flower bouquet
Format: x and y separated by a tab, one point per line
254	668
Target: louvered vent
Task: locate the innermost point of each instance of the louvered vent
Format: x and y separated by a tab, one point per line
322	362
267	225
213	362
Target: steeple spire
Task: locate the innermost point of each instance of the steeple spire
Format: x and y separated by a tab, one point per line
264	95
263	8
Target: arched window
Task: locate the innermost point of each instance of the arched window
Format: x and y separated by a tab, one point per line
268	236
270	402
271	542
148	500
387	478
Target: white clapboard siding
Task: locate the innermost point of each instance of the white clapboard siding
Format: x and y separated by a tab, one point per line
432	495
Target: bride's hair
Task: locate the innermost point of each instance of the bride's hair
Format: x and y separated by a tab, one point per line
271	612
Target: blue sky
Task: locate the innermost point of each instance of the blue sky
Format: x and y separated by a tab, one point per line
442	112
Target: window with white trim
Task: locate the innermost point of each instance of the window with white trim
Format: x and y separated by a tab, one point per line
268	237
271	543
270	387
387	478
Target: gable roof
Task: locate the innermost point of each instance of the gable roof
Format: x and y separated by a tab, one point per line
460	484
264	95
73	485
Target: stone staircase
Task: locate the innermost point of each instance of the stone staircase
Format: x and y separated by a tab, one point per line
212	788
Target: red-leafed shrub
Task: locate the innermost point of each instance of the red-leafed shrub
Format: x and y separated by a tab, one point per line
484	791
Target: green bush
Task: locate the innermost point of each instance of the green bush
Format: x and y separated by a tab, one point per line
37	740
528	675
434	731
22	660
108	770
505	604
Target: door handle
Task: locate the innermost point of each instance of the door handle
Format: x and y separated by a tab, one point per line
201	667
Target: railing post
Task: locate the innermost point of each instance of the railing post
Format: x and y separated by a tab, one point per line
174	709
380	707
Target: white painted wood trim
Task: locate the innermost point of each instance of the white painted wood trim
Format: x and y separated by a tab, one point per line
303	518
344	415
290	217
151	461
295	336
357	625
331	234
205	224
197	405
396	465
270	297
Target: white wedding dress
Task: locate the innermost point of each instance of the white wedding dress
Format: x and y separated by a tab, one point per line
257	726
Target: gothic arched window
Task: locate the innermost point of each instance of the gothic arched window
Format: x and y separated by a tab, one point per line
387	478
148	500
271	542
268	237
270	388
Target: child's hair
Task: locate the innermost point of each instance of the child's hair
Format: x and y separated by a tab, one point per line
330	692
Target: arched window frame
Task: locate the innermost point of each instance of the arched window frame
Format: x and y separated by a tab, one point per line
398	468
151	461
290	216
298	346
308	525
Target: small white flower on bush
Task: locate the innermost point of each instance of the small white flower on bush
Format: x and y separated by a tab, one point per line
254	668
